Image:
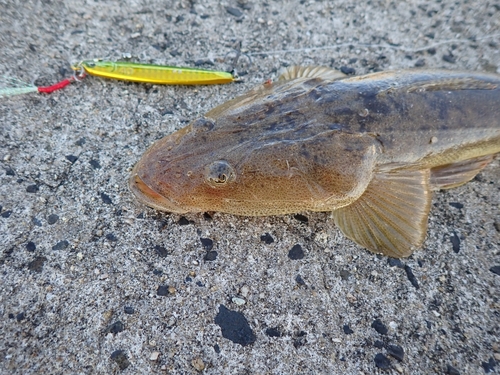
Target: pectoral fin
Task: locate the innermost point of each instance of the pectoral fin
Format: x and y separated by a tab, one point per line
456	174
391	215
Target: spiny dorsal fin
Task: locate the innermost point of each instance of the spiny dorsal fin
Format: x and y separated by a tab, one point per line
293	72
456	174
391	215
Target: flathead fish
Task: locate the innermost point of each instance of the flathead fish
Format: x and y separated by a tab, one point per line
370	148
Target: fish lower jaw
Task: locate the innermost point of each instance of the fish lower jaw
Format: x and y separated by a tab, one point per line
151	198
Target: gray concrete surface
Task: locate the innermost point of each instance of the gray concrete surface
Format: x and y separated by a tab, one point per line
81	292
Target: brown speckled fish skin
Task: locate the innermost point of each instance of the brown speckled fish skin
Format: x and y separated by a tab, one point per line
370	148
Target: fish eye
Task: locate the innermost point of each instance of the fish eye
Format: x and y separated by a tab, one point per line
203	124
219	173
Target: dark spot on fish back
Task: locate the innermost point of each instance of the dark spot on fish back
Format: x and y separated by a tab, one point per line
336	126
340	111
315	95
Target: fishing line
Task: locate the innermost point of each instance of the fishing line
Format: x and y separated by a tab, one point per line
172	75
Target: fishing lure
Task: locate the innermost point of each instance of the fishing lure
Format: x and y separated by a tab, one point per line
126	71
10	86
148	73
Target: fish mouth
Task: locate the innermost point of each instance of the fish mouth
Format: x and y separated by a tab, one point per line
148	196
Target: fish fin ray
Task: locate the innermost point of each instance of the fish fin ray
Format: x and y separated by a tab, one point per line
453	84
456	174
293	72
391	215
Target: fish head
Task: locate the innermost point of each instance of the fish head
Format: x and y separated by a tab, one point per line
244	159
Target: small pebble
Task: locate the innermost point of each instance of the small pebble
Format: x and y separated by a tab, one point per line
6	214
449	58
457	205
411	277
300	340
489	366
267	238
300	280
32	188
121	359
154	356
419	63
273	332
348	330
115	328
95	164
393	262
379	327
128	310
234	12
496	224
455	242
111	237
381	361
234	326
106	199
36	265
396	351
450	370
495	270
301	218
344	275
207	243
162	290
238	301
211	256
296	252
184	221
347	70
61	245
350	298
52	219
378	344
30	246
244	291
81	142
71	158
198	364
21	316
161	251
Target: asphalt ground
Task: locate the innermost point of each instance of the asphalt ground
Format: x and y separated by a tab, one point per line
93	282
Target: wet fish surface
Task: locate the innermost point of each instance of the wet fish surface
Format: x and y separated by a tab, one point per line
370	148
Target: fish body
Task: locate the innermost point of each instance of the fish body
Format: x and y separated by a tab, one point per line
370	148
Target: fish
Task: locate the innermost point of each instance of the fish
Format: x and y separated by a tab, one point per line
371	149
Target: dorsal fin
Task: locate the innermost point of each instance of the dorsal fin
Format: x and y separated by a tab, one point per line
453	84
293	72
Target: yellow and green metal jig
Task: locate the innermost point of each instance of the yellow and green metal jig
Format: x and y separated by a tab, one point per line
158	74
126	71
